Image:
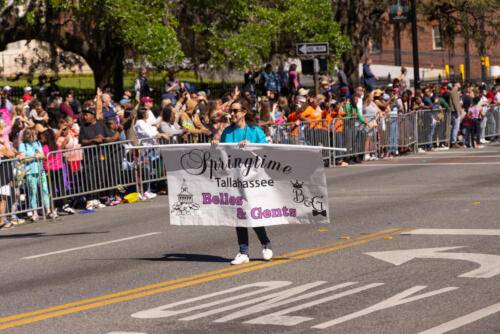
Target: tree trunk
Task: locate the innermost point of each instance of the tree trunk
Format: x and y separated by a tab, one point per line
107	66
360	20
351	62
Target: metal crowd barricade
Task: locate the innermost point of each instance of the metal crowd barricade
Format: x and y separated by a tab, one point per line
151	164
492	121
91	169
23	192
313	133
433	127
350	133
398	132
407	130
287	133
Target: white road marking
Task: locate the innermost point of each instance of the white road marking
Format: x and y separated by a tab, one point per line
427	164
453	152
489	264
270	300
89	246
127	333
453	231
166	310
281	318
399	299
464	320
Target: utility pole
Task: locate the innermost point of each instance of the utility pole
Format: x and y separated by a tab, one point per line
416	67
397	45
467	57
316	75
483	57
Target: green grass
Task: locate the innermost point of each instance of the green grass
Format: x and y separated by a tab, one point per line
86	81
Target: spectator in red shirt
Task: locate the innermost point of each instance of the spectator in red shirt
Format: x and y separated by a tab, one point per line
491	95
27	94
66	109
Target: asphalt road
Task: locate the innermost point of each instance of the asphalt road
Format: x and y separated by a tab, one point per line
413	246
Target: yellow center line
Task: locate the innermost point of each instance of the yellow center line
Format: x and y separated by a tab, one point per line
183	282
161	284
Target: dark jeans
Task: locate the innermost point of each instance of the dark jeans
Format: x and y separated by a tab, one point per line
476	132
242	233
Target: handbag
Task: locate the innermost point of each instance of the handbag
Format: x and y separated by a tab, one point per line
371	124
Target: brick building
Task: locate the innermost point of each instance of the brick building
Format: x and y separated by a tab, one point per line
433	54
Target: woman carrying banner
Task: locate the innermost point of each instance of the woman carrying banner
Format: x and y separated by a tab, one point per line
243	131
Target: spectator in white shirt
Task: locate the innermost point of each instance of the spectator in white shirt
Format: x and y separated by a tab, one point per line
147	103
144	129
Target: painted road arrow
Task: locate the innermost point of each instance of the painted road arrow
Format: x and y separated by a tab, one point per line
489	264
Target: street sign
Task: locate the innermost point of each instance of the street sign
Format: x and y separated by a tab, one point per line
312	49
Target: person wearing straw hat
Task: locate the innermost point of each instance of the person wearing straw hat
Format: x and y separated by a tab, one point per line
190	120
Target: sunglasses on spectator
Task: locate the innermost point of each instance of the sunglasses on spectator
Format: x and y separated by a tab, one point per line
235	110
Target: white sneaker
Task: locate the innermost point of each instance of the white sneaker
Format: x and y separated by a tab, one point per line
267	254
240	259
69	210
149	195
421	150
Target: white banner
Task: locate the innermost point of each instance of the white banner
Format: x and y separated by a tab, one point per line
259	185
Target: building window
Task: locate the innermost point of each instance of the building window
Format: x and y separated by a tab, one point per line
437	41
375	47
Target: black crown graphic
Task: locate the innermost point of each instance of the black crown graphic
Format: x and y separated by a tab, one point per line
297	185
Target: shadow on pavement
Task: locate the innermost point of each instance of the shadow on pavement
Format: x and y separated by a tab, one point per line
43	235
188	258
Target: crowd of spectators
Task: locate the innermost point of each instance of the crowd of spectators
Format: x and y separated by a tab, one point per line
54	127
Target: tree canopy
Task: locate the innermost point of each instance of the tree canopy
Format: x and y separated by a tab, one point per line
102	32
477	20
224	33
257	31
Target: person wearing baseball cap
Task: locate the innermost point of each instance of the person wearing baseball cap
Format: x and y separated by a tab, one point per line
27	94
94	131
146	99
124	102
127	93
147	102
6	93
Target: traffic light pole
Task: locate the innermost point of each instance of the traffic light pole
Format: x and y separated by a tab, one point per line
416	67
